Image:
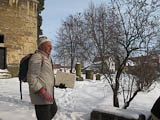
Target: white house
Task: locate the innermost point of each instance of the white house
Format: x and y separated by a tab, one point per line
98	62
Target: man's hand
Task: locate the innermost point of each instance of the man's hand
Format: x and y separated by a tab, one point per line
46	95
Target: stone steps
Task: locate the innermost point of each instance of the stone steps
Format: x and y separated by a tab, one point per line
4	74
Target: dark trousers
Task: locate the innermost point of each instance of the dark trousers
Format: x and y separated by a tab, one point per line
45	112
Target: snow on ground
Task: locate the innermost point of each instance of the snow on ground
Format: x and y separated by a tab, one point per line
74	104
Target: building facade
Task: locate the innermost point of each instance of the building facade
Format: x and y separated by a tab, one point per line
18	32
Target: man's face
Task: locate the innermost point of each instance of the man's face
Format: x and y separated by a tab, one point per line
47	47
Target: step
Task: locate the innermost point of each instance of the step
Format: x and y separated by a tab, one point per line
4	74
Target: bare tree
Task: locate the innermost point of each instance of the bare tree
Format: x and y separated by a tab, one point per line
125	29
104	31
138	77
102	25
139	27
68	40
59	47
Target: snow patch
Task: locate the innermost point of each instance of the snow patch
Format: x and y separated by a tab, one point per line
73	104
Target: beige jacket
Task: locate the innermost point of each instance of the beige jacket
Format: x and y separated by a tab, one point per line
39	76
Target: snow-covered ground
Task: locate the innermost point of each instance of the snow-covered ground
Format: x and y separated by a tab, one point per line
74	104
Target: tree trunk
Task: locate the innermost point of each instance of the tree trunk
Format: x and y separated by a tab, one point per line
116	88
115	99
131	98
71	71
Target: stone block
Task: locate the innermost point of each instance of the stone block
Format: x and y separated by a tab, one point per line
89	74
98	76
65	78
115	114
78	69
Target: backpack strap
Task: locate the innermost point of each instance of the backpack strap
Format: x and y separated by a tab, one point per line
52	64
42	62
20	84
54	77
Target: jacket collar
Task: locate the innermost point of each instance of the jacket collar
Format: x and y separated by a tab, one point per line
43	53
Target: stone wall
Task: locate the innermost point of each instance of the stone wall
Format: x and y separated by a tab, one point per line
18	24
113	113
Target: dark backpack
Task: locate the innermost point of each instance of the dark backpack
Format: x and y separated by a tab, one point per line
23	69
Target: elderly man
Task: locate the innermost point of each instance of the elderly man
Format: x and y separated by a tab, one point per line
41	81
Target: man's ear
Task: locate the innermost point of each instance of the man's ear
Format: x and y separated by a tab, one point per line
40	47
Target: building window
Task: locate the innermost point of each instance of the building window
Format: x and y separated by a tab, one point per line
1	38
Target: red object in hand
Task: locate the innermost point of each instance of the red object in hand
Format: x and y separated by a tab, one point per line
46	95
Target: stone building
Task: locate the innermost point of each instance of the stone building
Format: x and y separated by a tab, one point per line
18	32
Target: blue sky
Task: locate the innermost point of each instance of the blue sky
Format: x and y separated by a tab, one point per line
57	10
